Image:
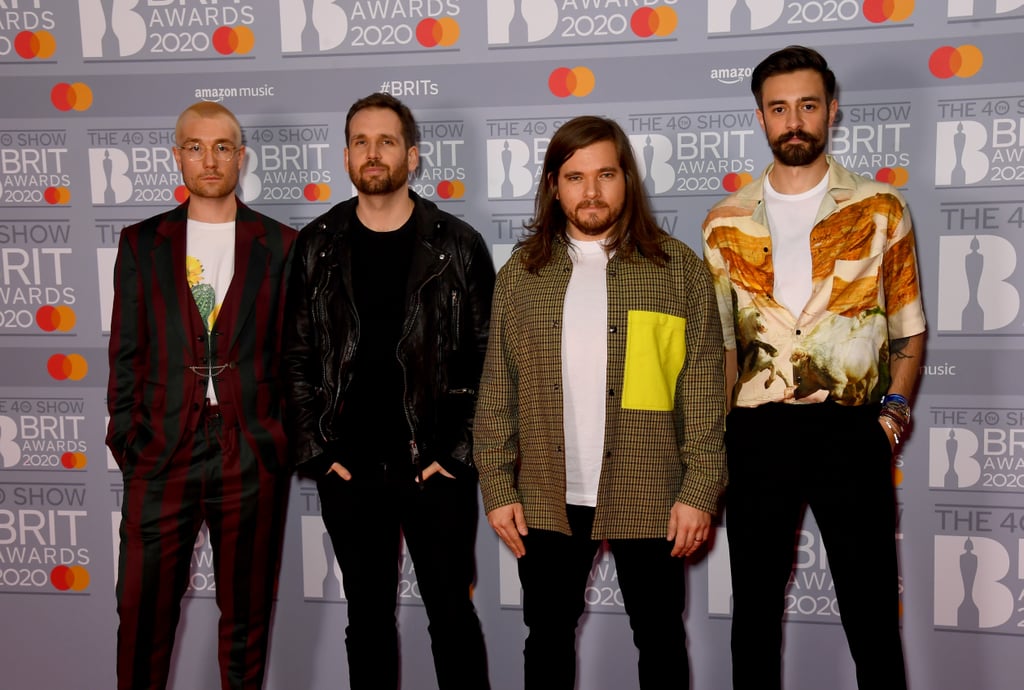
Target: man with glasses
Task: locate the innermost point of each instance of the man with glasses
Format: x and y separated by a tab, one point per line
195	414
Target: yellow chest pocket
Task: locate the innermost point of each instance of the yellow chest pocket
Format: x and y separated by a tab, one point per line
655	352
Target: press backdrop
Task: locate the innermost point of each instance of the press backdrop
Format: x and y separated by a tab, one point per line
931	99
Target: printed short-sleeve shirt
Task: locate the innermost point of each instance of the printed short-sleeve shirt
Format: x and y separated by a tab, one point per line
865	292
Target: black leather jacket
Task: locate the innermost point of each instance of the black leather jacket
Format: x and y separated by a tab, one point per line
441	351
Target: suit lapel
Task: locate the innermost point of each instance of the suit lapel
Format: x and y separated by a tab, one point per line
169	262
251	260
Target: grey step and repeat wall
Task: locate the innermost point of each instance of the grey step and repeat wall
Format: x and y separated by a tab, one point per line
932	100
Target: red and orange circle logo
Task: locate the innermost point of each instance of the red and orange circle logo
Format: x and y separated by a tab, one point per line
233	39
897	177
181	193
963	61
317	191
574	81
451	189
878	11
74	461
73	577
35	44
57	195
653	21
442	32
734	181
60	318
76	96
71	367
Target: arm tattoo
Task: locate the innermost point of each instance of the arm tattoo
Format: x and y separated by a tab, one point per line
896	348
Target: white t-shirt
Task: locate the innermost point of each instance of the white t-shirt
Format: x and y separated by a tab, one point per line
584	367
210	265
790	220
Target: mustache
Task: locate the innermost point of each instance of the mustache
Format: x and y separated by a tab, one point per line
795	134
593	203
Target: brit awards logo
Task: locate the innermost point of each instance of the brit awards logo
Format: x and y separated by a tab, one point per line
515	155
134	166
872	139
314	27
699	153
43	434
979	142
41	550
441	175
26	31
976	449
984	9
35	296
522	23
34	168
979	569
166	29
979	286
289	164
797	16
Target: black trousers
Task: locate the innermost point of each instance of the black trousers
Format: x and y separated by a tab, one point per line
837	461
365	517
554	573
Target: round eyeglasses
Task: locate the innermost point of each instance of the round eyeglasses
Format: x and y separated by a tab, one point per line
194	151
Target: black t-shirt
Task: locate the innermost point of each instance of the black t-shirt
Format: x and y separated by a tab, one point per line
374	427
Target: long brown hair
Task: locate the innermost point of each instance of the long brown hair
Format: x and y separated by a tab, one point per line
637	229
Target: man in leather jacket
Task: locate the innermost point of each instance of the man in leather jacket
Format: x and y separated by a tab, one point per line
385	335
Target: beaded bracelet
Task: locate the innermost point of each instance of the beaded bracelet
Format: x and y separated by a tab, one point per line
897	408
889	425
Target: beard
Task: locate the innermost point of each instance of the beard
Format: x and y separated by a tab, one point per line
804	152
593	225
390	181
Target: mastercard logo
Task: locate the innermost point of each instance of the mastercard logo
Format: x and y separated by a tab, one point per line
653	21
181	193
35	44
437	32
71	367
77	96
57	195
734	181
963	61
69	577
317	191
897	177
575	81
74	461
897	476
451	189
52	319
878	11
233	39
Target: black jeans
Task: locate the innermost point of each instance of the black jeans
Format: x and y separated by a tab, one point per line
364	518
554	573
837	461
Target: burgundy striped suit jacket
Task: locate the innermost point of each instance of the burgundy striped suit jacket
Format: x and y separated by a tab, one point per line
157	333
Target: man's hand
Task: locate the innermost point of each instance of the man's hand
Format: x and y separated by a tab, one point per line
689	528
340	470
510	524
433	469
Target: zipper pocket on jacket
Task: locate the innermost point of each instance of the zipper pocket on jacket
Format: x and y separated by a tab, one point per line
456	314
